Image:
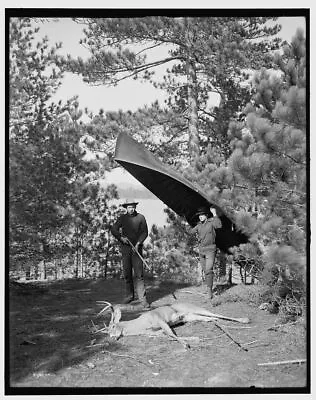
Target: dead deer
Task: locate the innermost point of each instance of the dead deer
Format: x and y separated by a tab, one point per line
161	318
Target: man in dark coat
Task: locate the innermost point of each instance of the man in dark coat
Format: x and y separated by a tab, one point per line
206	232
132	228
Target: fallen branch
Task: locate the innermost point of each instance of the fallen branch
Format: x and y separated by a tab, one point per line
261	344
188	291
276	327
247	344
230	337
238	327
126	356
160	334
27	341
300	361
212	338
193	338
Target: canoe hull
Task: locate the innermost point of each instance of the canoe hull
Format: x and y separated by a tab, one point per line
171	188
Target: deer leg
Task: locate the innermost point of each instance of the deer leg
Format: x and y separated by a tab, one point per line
186	309
196	317
168	331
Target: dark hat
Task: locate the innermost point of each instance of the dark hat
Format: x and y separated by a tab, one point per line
202	211
129	202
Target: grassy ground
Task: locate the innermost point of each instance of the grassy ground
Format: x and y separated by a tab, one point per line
51	330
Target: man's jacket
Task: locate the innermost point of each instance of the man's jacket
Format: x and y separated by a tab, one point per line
134	227
206	232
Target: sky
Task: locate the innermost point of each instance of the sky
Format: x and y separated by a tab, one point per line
129	94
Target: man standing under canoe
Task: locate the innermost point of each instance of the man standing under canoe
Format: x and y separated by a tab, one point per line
131	228
206	232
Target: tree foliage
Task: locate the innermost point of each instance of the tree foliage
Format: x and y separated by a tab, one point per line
269	159
204	55
262	185
171	252
49	176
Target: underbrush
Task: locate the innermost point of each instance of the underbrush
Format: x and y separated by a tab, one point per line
289	309
250	294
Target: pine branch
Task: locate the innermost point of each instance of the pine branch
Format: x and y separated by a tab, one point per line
148	48
136	70
174	136
288	156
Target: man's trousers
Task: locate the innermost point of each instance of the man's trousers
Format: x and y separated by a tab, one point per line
207	259
133	271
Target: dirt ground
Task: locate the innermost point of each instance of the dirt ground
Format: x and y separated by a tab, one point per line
51	337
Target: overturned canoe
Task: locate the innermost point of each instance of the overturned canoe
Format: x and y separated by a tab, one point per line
179	194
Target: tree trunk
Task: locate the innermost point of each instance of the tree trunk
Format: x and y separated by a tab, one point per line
104	265
81	244
27	268
81	263
36	274
77	254
222	265
230	275
194	147
241	274
56	268
76	263
194	141
42	269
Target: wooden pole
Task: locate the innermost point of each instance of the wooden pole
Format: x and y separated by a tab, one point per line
300	361
230	337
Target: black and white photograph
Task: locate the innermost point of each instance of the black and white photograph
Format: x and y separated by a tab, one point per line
157	201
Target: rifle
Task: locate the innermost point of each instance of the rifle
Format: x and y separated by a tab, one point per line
137	252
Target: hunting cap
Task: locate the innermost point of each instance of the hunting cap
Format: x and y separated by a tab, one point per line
202	211
129	202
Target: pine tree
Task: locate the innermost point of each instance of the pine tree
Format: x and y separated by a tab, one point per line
171	251
205	54
269	165
33	78
47	166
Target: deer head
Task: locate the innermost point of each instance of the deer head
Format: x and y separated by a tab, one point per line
114	329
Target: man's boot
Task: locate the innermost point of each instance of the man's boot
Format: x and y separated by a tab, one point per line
209	283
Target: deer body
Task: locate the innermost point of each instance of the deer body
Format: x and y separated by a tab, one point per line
150	320
161	318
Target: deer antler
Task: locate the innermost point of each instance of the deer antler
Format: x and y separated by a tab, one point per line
108	305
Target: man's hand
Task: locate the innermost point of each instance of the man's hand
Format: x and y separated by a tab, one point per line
213	211
124	240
